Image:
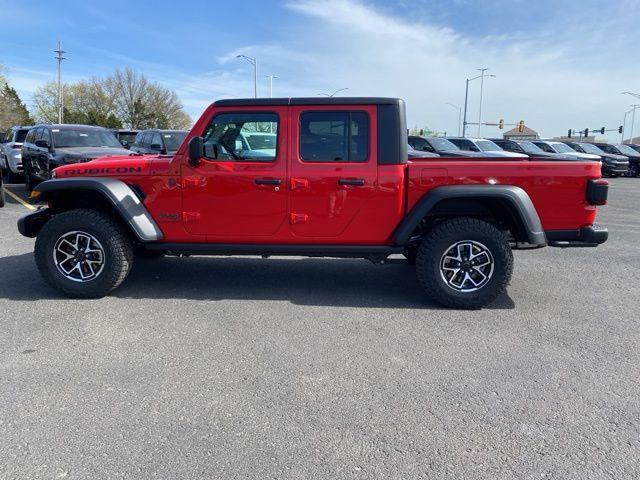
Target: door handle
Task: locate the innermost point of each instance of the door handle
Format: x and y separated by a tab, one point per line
356	182
267	181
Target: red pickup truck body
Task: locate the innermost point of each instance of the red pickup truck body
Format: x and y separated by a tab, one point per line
381	204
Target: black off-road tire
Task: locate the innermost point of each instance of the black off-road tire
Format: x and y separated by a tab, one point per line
438	241
633	171
2	200
117	246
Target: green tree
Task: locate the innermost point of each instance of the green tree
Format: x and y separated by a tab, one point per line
12	110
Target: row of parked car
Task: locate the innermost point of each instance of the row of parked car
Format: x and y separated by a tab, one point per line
30	153
616	159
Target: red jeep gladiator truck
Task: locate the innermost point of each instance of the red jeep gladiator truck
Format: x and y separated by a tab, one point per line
318	177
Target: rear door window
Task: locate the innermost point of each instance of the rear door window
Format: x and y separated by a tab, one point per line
334	136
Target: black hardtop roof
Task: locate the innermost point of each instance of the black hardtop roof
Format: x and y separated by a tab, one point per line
259	102
162	130
69	126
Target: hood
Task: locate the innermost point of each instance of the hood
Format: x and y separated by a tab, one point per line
461	153
586	156
118	166
90	152
614	157
505	153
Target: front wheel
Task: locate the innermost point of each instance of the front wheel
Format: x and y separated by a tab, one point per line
83	253
633	171
464	263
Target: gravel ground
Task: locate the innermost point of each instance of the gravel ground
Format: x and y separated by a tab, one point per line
309	368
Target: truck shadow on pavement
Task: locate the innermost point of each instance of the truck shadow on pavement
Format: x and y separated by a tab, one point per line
315	282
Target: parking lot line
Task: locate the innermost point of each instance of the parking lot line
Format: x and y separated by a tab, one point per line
18	199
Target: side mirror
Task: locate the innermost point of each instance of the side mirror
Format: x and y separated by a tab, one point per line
196	150
43	144
124	143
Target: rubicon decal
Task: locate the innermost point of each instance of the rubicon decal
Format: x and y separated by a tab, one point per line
105	170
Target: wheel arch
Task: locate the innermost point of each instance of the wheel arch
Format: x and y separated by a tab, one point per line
102	194
508	204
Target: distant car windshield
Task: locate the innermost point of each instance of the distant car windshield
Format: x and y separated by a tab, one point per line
261	141
589	148
626	150
20	135
487	146
128	137
562	148
530	147
172	140
71	137
442	144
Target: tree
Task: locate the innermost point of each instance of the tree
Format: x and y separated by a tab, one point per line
12	110
123	98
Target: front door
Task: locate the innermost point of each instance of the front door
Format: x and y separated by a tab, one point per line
237	192
333	169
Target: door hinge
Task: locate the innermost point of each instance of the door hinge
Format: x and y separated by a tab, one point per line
299	183
190	217
298	218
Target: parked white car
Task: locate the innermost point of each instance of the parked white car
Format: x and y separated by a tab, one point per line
11	155
485	146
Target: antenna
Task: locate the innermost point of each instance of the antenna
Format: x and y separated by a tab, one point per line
59	57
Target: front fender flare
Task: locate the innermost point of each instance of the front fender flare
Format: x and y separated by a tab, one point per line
119	195
515	197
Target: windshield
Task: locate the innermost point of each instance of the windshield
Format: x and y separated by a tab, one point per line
128	137
487	146
172	140
626	150
442	144
562	148
265	141
589	148
530	147
20	136
69	138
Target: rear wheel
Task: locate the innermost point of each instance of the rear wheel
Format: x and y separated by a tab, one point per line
464	263
83	253
633	171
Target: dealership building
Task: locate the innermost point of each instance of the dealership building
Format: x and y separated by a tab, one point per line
526	134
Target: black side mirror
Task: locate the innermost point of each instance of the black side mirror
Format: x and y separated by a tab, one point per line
124	143
43	144
196	150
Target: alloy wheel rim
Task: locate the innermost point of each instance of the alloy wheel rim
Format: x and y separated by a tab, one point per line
78	256
466	266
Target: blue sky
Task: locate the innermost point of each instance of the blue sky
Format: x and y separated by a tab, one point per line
558	64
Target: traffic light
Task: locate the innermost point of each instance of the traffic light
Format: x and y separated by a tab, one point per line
570	133
586	132
501	124
620	129
421	132
521	126
602	131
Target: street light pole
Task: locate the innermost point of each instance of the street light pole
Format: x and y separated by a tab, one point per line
253	62
459	114
466	97
481	70
633	119
624	125
331	95
271	77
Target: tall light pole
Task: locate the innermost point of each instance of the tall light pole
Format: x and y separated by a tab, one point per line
253	62
331	95
271	77
59	57
624	125
466	97
459	114
633	119
630	93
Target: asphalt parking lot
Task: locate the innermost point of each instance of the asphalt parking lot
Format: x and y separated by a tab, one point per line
311	368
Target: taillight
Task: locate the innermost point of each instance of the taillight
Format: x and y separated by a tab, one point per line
597	191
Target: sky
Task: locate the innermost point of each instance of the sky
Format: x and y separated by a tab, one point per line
557	64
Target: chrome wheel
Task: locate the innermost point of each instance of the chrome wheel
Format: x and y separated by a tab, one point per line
78	256
466	266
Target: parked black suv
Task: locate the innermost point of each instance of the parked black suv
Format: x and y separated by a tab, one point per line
613	164
441	146
49	146
626	150
163	142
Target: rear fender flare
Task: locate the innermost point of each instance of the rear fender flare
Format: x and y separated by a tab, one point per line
117	193
517	199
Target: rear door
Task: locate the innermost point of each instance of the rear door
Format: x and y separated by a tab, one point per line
237	192
333	169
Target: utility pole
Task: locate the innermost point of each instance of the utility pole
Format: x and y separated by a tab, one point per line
253	62
59	57
271	77
466	97
481	70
